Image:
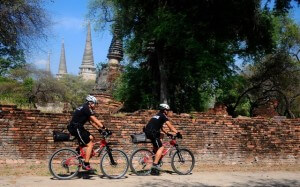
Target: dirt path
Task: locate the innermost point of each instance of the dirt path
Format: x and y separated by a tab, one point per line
202	179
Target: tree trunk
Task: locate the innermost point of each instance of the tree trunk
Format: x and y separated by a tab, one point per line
163	71
287	105
163	83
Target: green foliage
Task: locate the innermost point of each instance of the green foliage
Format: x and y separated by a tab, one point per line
75	89
13	61
27	86
134	88
183	52
22	23
228	92
13	92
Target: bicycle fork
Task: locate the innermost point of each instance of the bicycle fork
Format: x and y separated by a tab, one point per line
178	152
112	161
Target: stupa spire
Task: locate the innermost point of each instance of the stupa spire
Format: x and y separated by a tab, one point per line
62	63
108	74
115	51
87	68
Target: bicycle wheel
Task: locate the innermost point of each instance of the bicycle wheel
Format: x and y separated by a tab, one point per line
141	161
183	161
117	169
64	163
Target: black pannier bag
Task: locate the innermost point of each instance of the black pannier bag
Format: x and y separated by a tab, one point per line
60	136
138	138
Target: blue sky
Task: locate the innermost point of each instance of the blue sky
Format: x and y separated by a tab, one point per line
69	25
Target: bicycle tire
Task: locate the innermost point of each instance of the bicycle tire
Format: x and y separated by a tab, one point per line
188	157
119	169
141	161
57	164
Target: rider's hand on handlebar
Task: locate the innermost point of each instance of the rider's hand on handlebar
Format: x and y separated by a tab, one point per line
106	132
178	135
170	135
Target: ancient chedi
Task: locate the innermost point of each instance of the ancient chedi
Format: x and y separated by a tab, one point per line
110	72
87	68
62	70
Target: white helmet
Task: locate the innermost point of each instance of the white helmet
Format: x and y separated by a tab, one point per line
164	106
91	98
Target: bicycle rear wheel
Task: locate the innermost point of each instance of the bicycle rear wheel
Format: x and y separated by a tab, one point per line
183	161
64	163
141	161
114	164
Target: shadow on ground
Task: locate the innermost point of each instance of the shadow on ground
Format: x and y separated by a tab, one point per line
269	183
265	183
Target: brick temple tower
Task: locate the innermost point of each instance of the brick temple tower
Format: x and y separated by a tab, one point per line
110	72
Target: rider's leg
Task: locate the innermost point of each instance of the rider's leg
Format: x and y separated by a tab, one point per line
158	155
89	149
158	145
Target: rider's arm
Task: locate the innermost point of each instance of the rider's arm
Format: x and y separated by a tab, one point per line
162	129
171	127
96	123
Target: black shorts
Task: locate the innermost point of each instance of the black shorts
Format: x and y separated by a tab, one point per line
80	133
155	138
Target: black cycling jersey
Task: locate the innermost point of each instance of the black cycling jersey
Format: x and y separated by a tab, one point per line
156	122
82	115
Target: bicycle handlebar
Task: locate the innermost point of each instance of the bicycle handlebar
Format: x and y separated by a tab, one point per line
105	133
178	135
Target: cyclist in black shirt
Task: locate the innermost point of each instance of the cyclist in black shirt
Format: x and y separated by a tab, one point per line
152	130
81	115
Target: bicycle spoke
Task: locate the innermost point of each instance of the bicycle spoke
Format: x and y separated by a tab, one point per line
114	166
141	162
183	162
64	164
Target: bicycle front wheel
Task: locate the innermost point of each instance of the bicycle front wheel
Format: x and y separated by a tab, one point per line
114	164
64	163
141	161
183	161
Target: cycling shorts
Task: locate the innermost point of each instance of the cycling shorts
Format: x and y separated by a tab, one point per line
82	135
154	137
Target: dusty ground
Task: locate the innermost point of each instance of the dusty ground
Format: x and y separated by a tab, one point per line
41	169
201	179
19	175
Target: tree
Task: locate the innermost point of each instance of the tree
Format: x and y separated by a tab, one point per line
13	61
229	93
28	86
189	46
75	89
276	75
22	23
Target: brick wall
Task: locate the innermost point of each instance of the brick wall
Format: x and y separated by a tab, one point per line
27	134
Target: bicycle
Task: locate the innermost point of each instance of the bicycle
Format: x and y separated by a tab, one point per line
141	160
65	163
